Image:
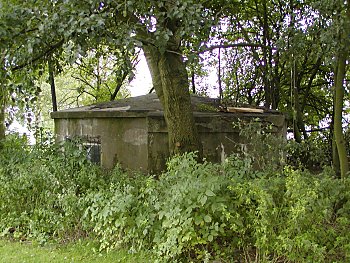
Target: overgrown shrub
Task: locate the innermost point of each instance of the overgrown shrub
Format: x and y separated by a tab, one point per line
41	189
312	154
262	144
180	212
205	211
193	212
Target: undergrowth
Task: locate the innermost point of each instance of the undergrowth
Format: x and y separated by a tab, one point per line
199	212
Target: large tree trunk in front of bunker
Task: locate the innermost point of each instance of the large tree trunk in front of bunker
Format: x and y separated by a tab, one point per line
170	81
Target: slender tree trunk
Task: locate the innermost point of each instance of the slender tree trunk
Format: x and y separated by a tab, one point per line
299	125
118	87
2	119
3	98
152	56
340	70
335	156
169	77
193	82
52	84
338	109
266	74
276	83
296	116
221	93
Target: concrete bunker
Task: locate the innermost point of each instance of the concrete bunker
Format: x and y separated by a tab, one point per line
133	132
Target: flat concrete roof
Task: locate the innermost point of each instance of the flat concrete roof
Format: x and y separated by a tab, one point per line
140	106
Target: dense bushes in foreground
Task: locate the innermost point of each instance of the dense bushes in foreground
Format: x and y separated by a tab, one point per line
194	211
42	189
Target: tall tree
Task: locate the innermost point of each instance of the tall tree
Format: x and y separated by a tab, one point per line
342	55
158	27
275	57
16	48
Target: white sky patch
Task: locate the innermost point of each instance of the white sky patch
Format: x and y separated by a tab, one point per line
16	127
142	83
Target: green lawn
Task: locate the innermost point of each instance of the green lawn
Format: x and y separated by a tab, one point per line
15	252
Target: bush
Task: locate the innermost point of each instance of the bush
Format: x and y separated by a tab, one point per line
41	189
312	154
193	212
231	211
178	213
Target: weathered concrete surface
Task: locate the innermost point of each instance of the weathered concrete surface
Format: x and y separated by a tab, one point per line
122	140
133	131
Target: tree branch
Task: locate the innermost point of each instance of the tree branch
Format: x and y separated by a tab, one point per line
313	130
116	90
44	54
233	45
83	80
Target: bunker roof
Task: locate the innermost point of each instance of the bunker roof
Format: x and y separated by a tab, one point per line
140	106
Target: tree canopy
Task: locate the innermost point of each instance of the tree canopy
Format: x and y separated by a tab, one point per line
286	55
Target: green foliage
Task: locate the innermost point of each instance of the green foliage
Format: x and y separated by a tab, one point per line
230	211
206	108
178	213
41	189
194	211
120	213
312	154
262	143
191	200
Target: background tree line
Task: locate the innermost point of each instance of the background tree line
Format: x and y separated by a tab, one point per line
286	55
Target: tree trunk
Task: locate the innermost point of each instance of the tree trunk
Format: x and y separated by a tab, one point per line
170	81
193	82
2	121
52	84
299	125
3	97
299	116
266	73
335	158
340	70
338	108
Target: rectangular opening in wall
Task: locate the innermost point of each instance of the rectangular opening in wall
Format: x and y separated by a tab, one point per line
90	145
93	151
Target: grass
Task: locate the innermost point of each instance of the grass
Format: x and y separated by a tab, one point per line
16	252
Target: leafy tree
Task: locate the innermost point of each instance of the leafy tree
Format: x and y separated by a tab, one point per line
281	55
103	72
158	27
17	34
273	53
341	56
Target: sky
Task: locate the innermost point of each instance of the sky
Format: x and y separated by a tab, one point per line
142	83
